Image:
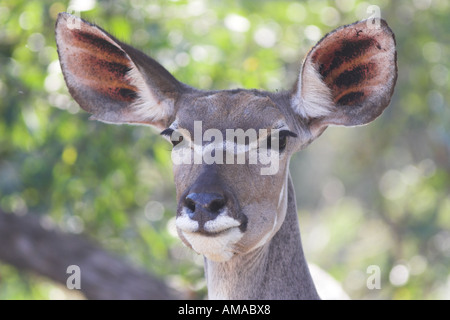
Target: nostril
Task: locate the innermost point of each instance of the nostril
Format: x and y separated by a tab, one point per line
216	205
190	204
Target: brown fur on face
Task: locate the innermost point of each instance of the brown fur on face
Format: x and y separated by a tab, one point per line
242	109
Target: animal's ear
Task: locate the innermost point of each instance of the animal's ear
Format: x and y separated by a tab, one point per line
111	80
348	77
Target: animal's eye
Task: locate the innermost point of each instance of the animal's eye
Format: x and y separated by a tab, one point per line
282	139
174	136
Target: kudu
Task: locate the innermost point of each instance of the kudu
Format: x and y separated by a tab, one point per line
244	223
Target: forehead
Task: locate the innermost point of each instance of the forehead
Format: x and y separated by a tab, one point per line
230	110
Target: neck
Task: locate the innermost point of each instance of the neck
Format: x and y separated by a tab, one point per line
276	270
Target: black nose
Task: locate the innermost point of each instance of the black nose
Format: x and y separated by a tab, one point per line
203	207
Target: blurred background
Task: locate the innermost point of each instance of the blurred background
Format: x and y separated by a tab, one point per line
376	195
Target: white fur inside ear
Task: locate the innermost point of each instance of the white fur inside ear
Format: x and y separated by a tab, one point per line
147	106
313	98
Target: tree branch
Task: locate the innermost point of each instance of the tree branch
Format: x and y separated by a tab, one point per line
25	244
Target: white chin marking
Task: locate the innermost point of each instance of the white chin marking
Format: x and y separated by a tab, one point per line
219	245
216	248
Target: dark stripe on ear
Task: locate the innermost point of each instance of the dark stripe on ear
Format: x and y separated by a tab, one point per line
356	75
354	48
89	67
123	94
351	98
116	69
98	44
106	77
339	52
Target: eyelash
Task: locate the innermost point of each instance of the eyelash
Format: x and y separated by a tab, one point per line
167	132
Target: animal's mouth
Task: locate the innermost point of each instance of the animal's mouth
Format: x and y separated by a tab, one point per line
217	246
202	232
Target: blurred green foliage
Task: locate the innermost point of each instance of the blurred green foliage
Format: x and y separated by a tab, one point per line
374	195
